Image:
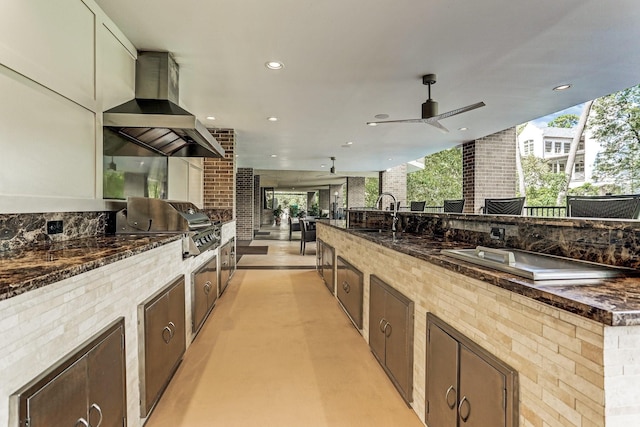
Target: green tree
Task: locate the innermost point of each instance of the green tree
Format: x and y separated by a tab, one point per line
542	185
564	121
371	191
615	122
440	179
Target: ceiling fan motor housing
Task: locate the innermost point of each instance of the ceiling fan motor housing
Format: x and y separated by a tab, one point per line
429	109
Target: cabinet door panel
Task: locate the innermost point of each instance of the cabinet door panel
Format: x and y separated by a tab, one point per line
442	376
377	320
482	387
399	343
155	349
106	381
62	401
176	322
356	286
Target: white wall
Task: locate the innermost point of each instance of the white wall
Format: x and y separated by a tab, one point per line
62	63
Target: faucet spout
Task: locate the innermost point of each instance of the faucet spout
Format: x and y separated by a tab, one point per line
395	209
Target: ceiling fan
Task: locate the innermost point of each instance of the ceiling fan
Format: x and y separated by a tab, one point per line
430	109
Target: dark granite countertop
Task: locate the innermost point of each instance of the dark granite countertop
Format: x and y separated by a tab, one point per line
614	302
37	266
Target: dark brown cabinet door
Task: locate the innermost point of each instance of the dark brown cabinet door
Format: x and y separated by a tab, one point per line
349	290
328	267
62	401
106	376
204	292
164	341
399	342
377	321
86	389
442	379
391	334
482	392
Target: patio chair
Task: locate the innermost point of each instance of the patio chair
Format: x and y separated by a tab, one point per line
308	234
417	206
454	206
504	206
614	206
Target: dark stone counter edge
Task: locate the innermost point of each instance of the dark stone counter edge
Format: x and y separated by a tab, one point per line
505	281
65	273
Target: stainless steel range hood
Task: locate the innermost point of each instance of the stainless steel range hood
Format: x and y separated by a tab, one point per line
153	119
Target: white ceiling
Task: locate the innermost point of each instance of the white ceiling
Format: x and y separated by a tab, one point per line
347	61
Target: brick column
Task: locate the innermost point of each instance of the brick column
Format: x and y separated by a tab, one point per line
489	169
219	178
324	201
394	181
311	197
257	203
244	203
355	192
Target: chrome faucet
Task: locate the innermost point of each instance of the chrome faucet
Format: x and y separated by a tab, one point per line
394	214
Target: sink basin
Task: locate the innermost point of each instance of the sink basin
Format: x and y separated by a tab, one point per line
534	266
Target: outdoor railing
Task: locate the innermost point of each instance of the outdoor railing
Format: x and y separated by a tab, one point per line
554	211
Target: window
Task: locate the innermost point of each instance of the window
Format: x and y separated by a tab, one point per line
579	166
557	148
528	147
567	147
547	146
581	145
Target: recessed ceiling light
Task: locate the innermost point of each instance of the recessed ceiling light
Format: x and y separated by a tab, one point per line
272	119
562	87
323	165
349	142
463	129
390	159
372	124
210	118
381	116
274	65
274	155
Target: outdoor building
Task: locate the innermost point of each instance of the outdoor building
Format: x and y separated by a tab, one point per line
553	144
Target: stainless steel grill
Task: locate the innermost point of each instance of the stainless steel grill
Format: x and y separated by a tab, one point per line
156	216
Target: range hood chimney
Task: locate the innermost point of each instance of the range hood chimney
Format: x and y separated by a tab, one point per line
153	120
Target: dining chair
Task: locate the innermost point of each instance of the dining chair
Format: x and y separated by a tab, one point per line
611	206
504	206
293	226
454	206
308	234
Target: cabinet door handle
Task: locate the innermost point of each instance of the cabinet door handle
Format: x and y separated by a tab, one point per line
451	404
380	325
81	422
464	418
346	287
166	337
97	408
207	287
172	328
389	329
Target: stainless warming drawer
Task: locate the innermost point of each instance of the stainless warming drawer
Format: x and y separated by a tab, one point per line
532	265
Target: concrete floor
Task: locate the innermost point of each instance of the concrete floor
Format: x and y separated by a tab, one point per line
278	351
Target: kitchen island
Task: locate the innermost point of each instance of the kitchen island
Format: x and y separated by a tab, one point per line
572	346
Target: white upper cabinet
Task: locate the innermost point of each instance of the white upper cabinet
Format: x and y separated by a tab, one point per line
51	42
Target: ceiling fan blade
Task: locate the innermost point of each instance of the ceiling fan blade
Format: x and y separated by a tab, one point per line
434	121
459	111
436	124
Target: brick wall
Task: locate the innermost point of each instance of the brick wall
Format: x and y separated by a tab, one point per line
244	203
489	169
219	178
394	181
355	192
